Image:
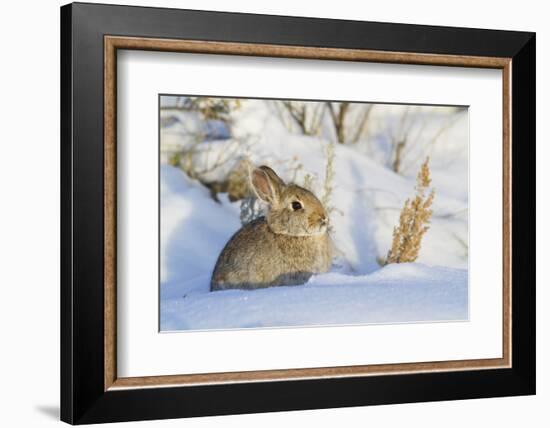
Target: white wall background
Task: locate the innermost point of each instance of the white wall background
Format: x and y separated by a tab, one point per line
29	217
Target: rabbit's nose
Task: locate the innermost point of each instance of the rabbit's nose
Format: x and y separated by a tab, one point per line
324	221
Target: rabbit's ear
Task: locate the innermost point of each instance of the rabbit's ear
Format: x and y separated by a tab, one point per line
266	184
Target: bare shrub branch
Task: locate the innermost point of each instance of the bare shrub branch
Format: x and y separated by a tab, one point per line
307	116
362	124
338	112
446	126
251	209
209	108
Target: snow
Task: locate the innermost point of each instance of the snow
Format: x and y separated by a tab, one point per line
396	293
367	199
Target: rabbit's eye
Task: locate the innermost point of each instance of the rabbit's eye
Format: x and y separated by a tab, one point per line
296	206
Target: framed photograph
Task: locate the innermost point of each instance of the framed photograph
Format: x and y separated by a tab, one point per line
266	213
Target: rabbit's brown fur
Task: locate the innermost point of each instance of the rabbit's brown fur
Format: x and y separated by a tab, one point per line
284	248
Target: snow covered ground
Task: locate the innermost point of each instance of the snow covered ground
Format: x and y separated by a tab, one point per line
366	201
396	293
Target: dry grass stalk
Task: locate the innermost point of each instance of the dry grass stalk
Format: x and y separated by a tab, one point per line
307	182
413	221
329	176
328	183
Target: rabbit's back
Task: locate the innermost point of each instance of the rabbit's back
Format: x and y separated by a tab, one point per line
255	257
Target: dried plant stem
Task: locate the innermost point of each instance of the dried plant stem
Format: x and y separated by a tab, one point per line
413	221
329	177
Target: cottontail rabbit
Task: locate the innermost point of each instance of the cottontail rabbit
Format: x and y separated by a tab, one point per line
284	248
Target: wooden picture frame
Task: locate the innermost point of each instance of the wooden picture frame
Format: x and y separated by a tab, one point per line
91	391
